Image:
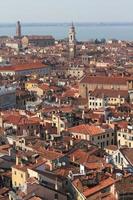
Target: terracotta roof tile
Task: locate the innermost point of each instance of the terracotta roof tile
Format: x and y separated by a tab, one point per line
103	184
23	67
104	80
79	156
21	120
44	86
86	129
109	93
112	147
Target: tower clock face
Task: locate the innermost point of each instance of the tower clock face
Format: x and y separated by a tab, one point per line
71	49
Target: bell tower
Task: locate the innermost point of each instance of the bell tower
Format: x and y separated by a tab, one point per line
18	30
72	42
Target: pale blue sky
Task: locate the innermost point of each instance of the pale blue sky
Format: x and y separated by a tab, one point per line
66	10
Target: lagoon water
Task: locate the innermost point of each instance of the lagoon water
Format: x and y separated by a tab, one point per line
84	32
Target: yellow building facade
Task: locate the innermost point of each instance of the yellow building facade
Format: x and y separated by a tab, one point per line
19	176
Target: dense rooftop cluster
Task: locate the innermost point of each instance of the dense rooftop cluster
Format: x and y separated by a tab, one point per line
66	119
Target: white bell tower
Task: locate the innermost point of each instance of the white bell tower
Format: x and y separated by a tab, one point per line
72	42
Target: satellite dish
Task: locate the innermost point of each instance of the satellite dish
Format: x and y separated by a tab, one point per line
63	163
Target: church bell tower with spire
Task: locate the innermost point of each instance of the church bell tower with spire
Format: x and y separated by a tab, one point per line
72	42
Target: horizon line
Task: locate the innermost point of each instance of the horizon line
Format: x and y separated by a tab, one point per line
76	22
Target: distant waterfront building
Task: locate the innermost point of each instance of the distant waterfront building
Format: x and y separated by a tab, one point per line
18	30
72	42
36	40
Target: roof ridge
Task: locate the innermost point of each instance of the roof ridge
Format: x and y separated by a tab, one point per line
86	127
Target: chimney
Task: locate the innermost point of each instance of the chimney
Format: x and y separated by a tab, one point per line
73	159
51	143
56	185
9	151
67	147
51	167
22	164
119	97
83	114
17	160
1	122
71	142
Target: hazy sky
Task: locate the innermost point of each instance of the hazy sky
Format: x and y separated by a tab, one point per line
66	10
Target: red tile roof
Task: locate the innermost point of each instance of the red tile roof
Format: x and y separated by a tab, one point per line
44	86
66	109
94	165
86	129
109	197
103	184
104	80
79	156
22	67
40	37
109	93
21	120
128	154
47	154
122	124
112	147
71	93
